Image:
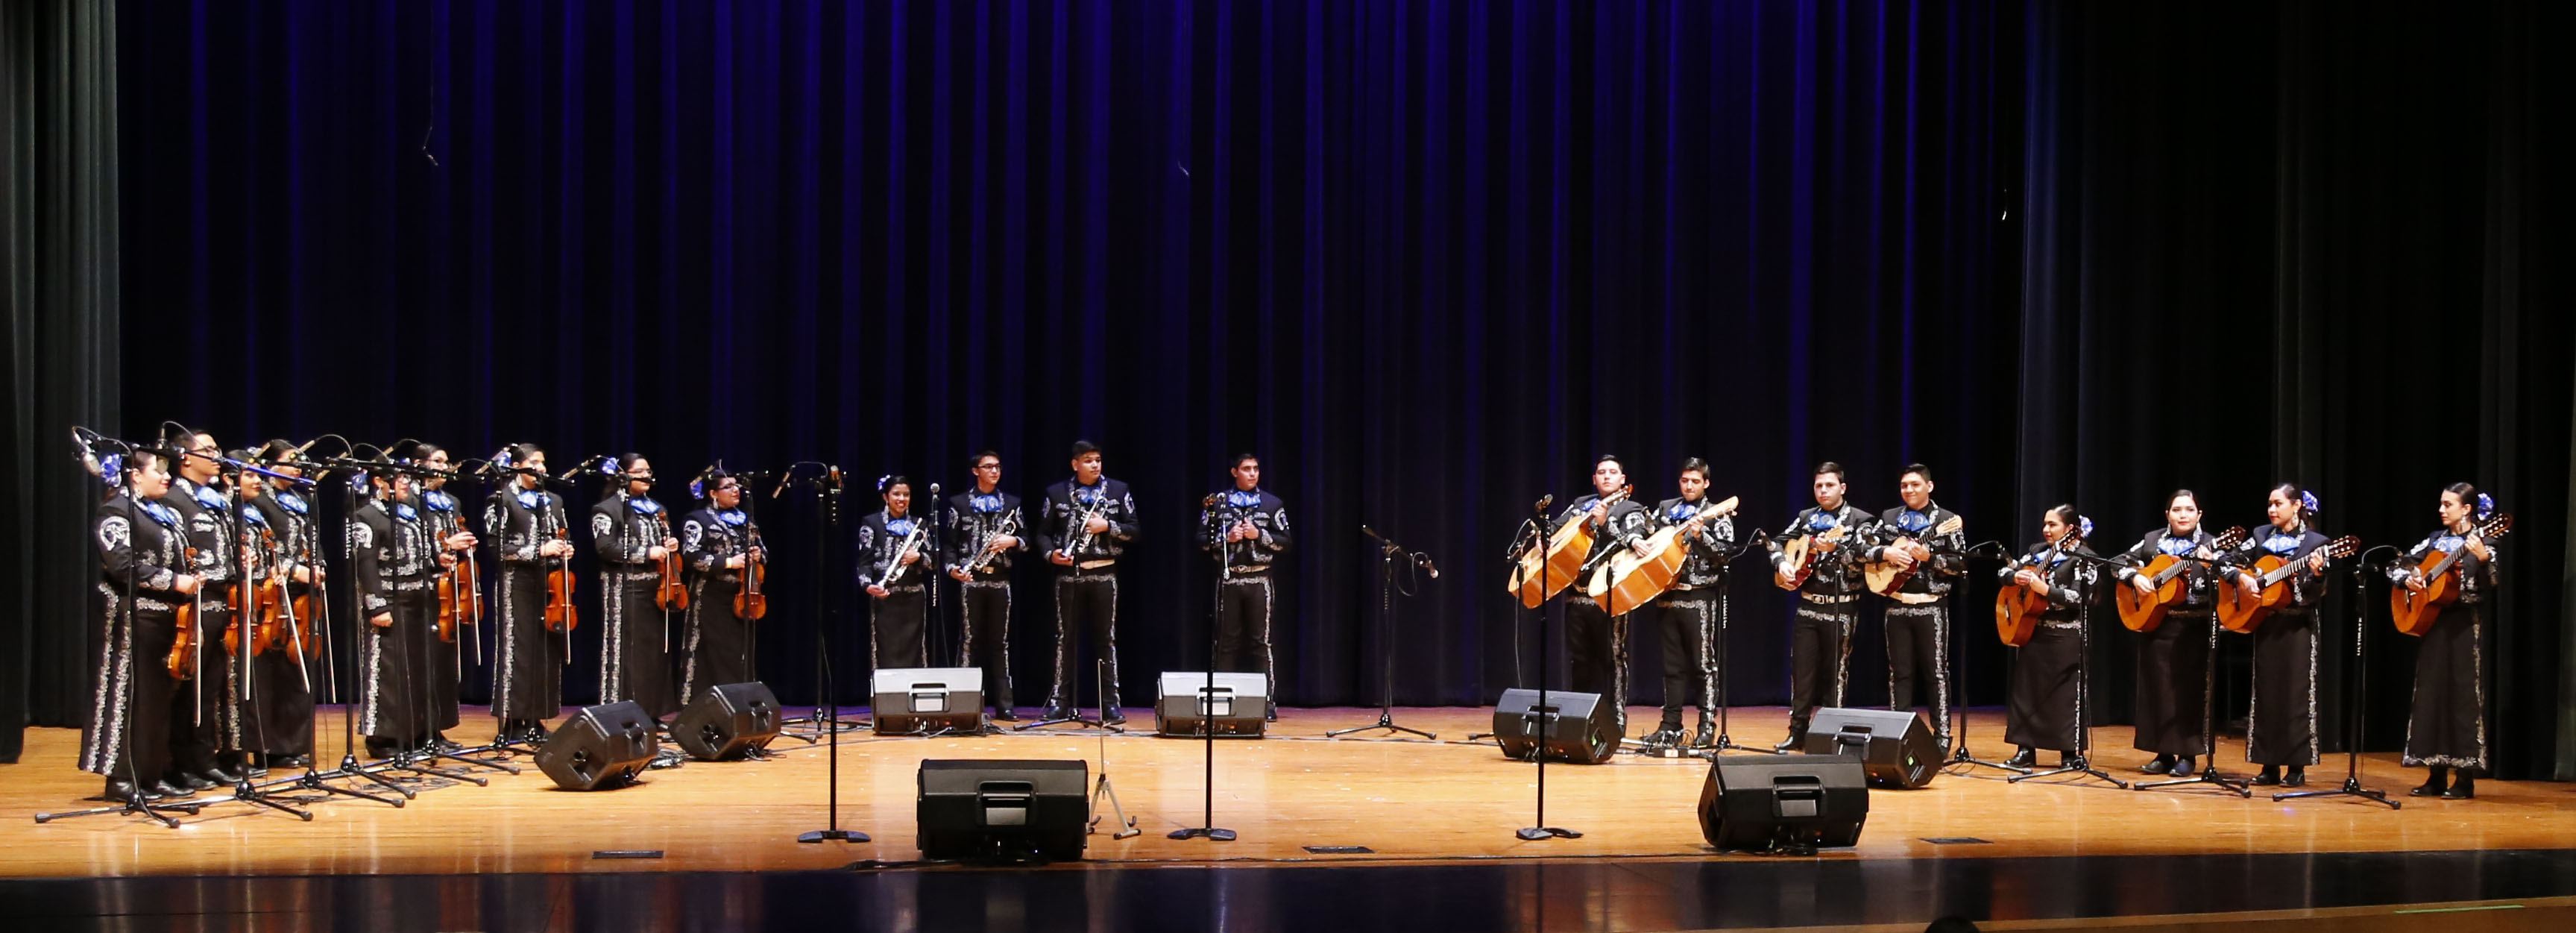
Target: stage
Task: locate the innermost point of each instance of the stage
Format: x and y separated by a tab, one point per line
1444	804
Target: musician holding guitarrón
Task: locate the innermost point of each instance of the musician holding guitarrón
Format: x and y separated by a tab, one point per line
2174	675
1921	536
1596	643
1828	585
1690	612
2043	711
2446	730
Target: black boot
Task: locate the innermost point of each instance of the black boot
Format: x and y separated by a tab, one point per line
2298	777
1004	713
1667	733
124	792
2435	782
2028	757
2182	766
2464	788
2271	775
1706	734
1795	740
2162	765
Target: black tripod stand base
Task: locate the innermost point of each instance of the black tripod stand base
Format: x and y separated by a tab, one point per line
2351	788
834	835
1381	724
2082	772
1208	832
1536	833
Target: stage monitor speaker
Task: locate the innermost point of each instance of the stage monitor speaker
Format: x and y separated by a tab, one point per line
730	721
1572	726
599	748
1783	803
981	808
927	700
1238	705
1895	747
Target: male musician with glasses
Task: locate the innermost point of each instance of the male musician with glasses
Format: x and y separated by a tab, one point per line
984	530
1084	527
1820	642
210	723
1247	529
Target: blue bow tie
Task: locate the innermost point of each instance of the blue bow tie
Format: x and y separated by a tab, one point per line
2280	543
160	513
1823	521
252	516
2449	543
733	517
1681	511
531	499
1090	495
1243	500
899	527
644	506
2177	547
405	511
1912	521
439	501
988	503
209	498
292	502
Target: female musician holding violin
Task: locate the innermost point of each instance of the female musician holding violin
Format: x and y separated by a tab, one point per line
632	534
395	557
721	545
1596	643
2282	731
141	552
894	562
527	688
2042	710
2174	673
446	518
2446	730
281	683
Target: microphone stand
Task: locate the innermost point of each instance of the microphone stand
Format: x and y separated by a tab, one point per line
313	778
1388	552
1959	737
349	764
1725	591
2208	716
244	790
827	516
2358	694
423	758
122	623
1545	716
2082	765
1207	827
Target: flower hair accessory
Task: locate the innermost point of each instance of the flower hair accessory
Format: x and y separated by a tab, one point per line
607	466
881	482
697	487
2308	501
2486	506
502	459
111	468
2084	526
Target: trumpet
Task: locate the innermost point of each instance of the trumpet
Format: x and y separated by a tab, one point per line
984	545
1075	545
895	567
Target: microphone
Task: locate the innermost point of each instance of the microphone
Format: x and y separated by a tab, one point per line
1428	565
1544	502
783	476
86	439
834	475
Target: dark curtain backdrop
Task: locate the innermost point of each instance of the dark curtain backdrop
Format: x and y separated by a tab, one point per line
2311	242
58	260
1425	258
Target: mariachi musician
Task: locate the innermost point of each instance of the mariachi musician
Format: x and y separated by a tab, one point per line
212	728
395	559
1918	616
1596	643
141	547
2446	728
632	535
720	542
1246	528
281	690
530	533
1084	526
894	562
1828	607
2282	729
2043	709
2175	677
1691	610
441	664
985	526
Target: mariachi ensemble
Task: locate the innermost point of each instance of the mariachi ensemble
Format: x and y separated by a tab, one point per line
213	571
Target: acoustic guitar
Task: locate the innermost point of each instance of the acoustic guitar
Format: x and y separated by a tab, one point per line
2017	609
1802	552
2142	612
1545	570
1885	577
2414	612
1628	581
2238	613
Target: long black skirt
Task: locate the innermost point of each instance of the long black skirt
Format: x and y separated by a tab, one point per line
393	697
2448	725
634	663
2044	710
719	646
2283	730
527	682
2174	686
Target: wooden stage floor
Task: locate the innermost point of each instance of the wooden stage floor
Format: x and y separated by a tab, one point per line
1408	801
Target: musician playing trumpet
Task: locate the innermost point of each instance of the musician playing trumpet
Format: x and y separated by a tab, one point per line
1247	529
983	536
1084	527
1690	612
1820	642
1596	643
894	561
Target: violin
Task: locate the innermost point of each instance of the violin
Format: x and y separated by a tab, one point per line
561	614
749	603
183	650
670	593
